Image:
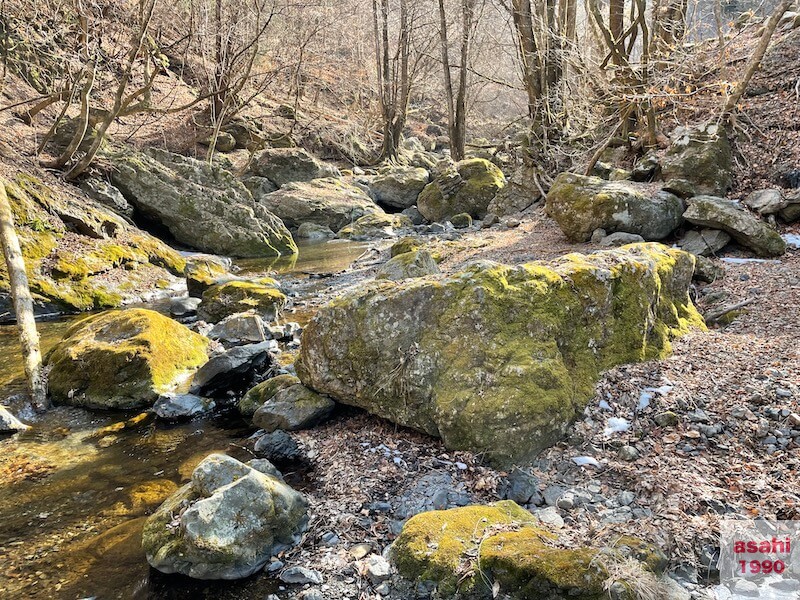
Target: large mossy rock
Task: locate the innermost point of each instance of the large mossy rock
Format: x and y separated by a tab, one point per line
398	187
581	204
78	254
203	271
123	359
498	359
202	205
328	202
699	160
375	225
287	165
226	299
226	523
466	187
417	263
264	391
471	550
729	216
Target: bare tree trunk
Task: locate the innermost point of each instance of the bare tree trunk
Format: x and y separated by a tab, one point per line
529	53
23	303
459	139
616	25
755	60
448	79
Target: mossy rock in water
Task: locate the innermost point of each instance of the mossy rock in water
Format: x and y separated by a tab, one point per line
466	551
467	187
257	396
123	359
418	263
403	245
226	523
225	299
498	359
202	272
374	225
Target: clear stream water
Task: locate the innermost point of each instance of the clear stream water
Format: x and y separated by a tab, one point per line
73	502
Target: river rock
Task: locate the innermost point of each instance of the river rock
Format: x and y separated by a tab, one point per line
498	359
9	423
234	368
620	238
261	297
399	187
462	548
240	328
123	359
226	523
375	226
417	263
313	231
181	193
287	165
263	392
466	187
705	242
328	202
106	194
293	408
204	270
279	447
176	407
747	230
520	193
582	204
699	159
766	202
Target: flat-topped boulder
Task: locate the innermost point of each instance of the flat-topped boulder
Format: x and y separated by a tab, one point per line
202	205
498	359
123	359
287	165
581	204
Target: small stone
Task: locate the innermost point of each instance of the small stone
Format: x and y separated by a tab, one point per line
183	307
783	393
521	487
301	575
175	407
383	589
377	569
461	221
311	595
329	538
626	498
550	516
598	235
511	223
793	420
552	493
666	419
628	453
279	447
746	588
489	220
359	551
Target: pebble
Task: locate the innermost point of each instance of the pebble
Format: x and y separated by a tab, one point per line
628	453
378	569
359	551
329	538
550	516
626	498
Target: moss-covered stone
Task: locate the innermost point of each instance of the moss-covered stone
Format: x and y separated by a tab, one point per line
123	359
699	161
498	359
467	551
202	272
403	245
418	263
374	225
257	396
467	187
225	299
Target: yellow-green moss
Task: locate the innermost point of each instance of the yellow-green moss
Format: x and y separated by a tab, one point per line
201	273
123	359
257	396
372	223
404	245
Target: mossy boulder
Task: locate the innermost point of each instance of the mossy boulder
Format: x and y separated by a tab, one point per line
582	204
374	225
225	299
471	550
123	359
328	202
288	165
203	271
398	187
521	192
403	245
699	160
729	216
498	359
293	408
264	391
183	193
226	523
418	263
466	187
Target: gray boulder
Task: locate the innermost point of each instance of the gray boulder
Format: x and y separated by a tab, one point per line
183	307
240	328
747	230
399	187
417	263
106	194
202	205
287	165
791	212
620	239
520	193
226	523
414	215
313	231
292	408
328	202
581	204
699	159
9	423
766	202
705	242
466	187
236	367
176	407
